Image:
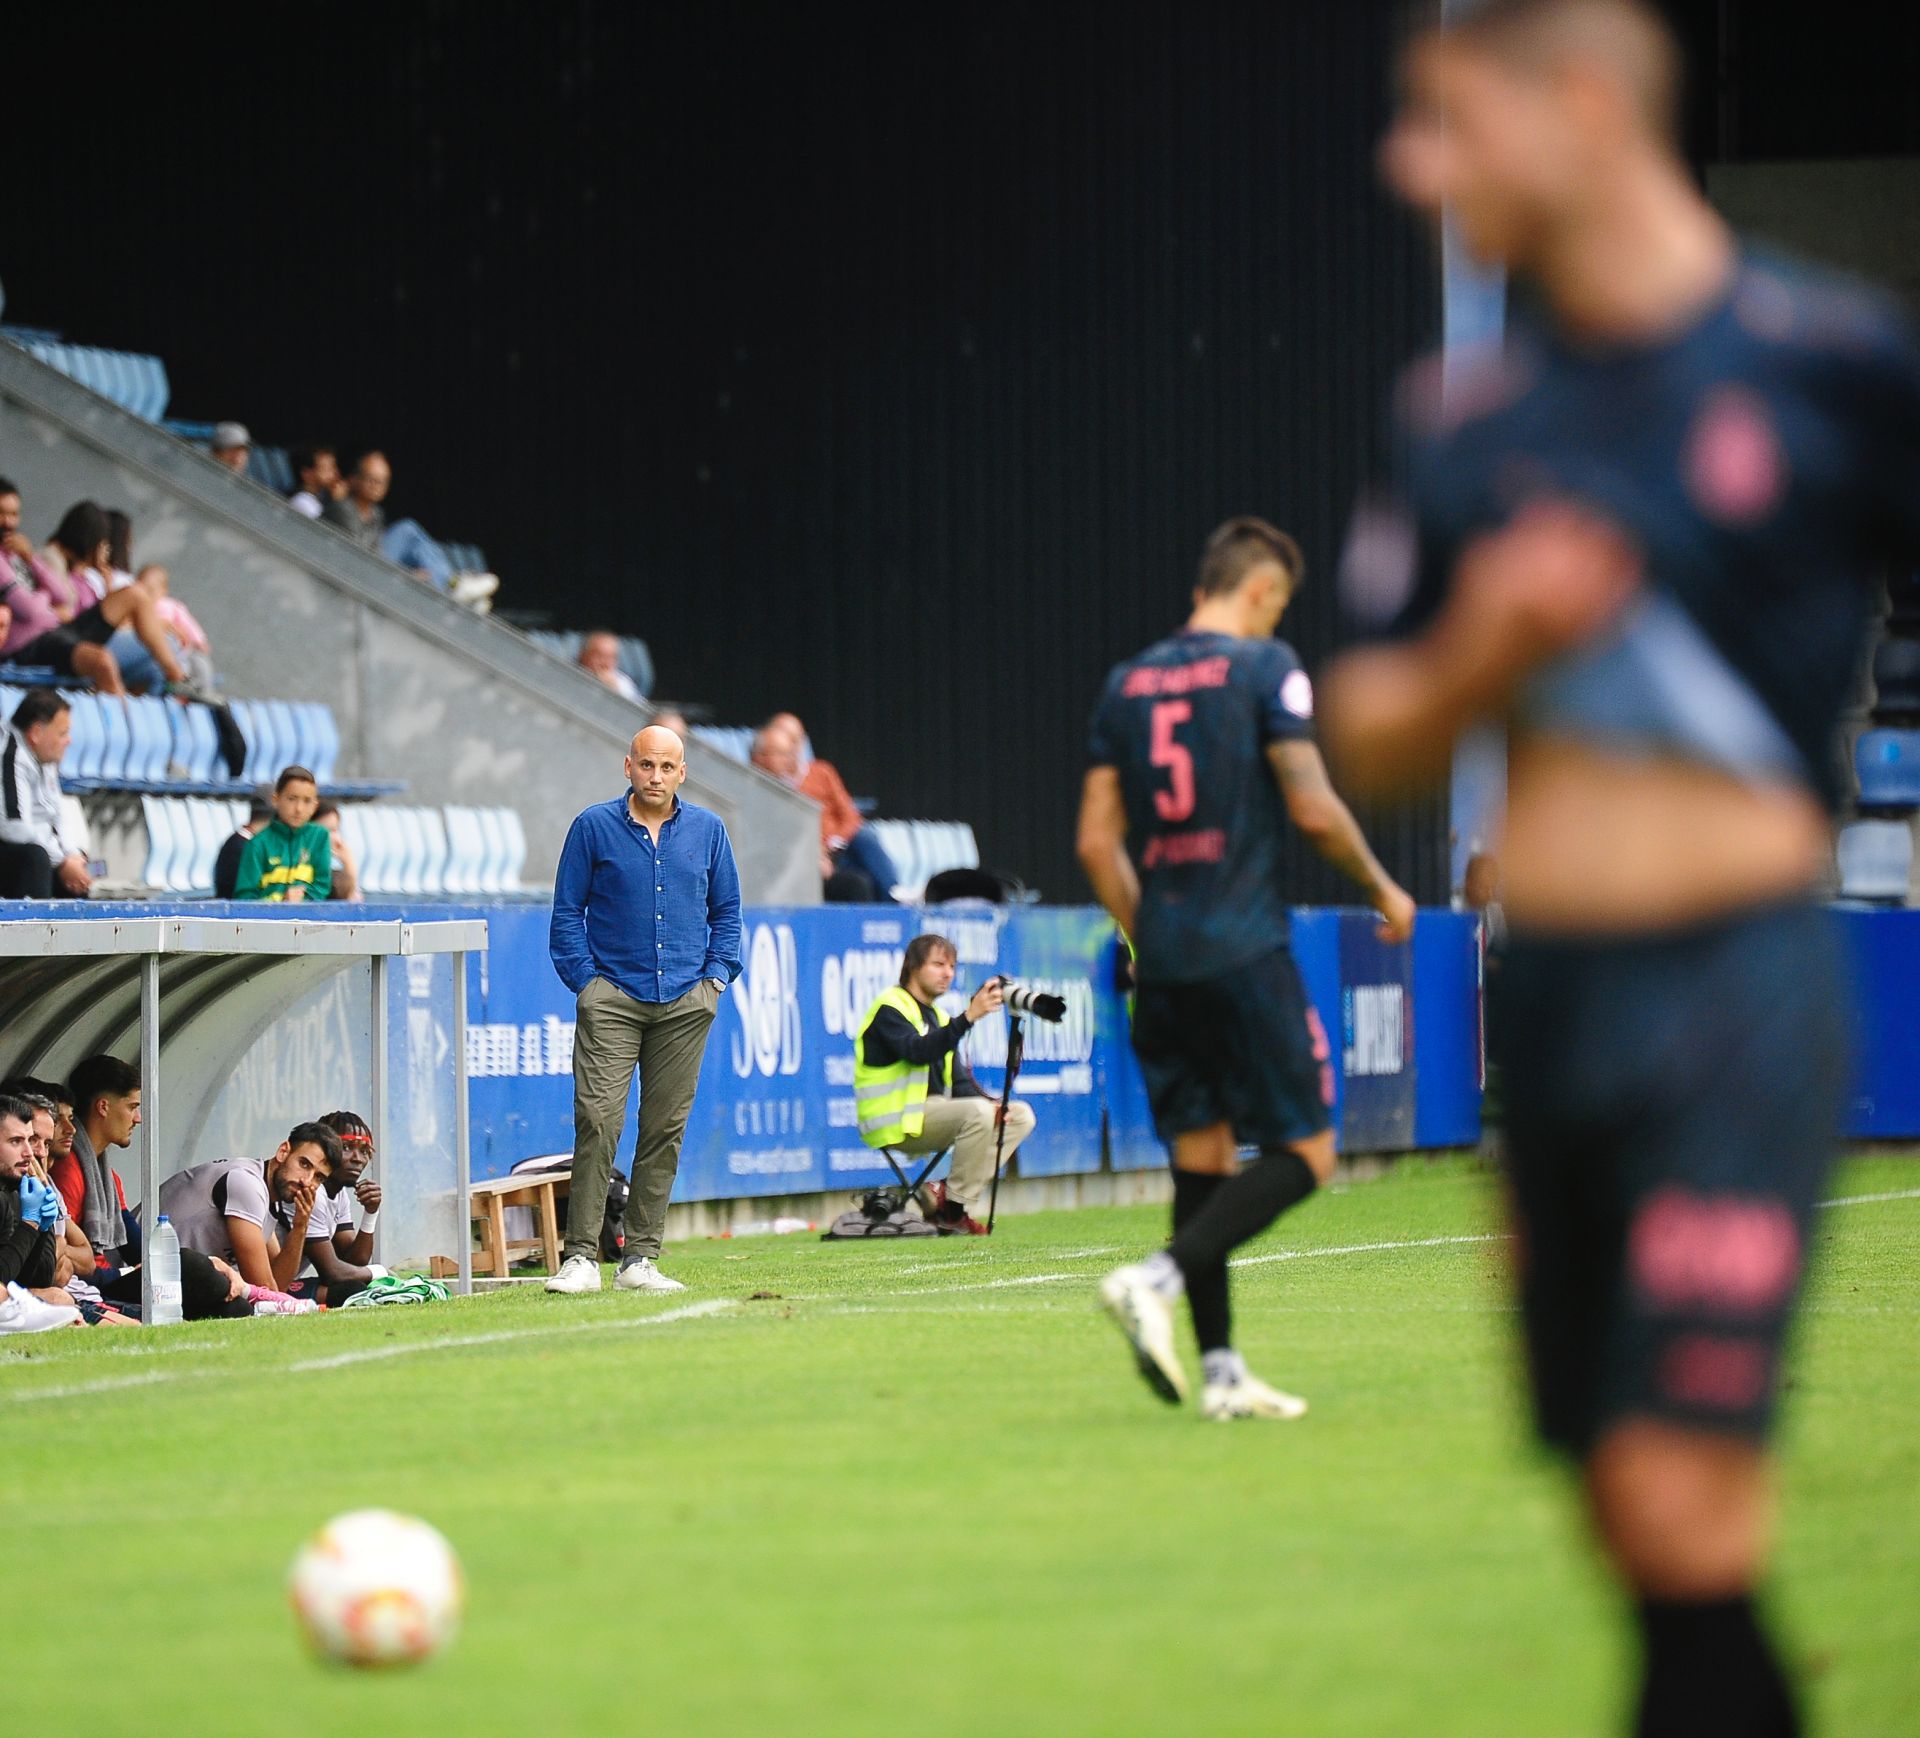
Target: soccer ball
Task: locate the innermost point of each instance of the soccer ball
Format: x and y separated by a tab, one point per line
373	1588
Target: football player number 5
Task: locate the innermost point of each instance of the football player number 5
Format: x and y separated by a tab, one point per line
1176	802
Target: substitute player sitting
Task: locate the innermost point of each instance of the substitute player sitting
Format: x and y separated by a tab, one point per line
1646	533
1202	754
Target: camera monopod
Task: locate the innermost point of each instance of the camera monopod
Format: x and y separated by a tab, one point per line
1016	1048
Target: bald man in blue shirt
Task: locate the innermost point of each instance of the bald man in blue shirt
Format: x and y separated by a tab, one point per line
646	933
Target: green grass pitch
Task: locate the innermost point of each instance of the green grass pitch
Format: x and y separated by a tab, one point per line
921	1491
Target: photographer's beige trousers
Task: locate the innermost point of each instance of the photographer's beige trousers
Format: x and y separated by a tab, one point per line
613	1036
966	1125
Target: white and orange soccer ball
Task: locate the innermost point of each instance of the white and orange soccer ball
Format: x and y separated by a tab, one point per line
373	1588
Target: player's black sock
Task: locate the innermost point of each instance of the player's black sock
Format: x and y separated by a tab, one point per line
1206	1287
1242	1207
1710	1672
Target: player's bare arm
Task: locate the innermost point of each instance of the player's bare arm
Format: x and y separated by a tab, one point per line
1521	596
1314	806
252	1253
1101	842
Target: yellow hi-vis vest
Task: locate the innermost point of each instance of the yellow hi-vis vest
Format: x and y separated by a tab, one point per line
892	1100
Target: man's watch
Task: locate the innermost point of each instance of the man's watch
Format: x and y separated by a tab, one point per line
719	984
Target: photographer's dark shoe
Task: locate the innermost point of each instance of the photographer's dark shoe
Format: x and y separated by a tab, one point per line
953	1220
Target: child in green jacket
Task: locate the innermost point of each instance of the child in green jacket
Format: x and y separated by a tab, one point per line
291	857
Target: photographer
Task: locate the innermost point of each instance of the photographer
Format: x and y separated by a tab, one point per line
914	1096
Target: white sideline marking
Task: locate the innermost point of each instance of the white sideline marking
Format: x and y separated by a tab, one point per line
712	1306
371	1354
985	1256
340	1360
1365	1248
1863	1200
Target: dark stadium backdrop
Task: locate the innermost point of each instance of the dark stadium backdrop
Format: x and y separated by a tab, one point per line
884	365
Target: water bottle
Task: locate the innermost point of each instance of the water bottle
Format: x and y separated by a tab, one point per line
165	1256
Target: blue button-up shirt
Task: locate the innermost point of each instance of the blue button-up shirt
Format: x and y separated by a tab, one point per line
653	921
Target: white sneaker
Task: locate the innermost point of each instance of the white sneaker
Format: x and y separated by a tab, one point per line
644	1275
577	1273
1146	1319
23	1313
1249	1398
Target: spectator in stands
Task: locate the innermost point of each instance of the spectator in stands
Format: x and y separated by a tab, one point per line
600	657
226	866
346	873
32	1258
22	560
34	634
854	865
38	858
291	858
671	718
74	562
317	471
232	446
254	1213
360	512
105	1094
190	646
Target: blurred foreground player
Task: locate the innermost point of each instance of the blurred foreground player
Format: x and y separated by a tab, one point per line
1644	534
1202	752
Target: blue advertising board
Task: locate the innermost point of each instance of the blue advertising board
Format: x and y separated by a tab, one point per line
774	1112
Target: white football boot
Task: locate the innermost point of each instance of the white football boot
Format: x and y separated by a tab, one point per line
1249	1397
1146	1318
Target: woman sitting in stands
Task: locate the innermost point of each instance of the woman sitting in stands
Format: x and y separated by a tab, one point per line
73	561
76	645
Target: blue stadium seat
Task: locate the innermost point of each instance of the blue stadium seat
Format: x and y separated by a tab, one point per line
289	734
360	841
271	469
158	870
1876	861
413	835
1887	764
325	736
119	734
464	848
514	834
87	752
152	739
1896	681
206	767
136	383
735	741
433	868
493	851
215	820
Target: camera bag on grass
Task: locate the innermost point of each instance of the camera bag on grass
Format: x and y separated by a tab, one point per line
879	1213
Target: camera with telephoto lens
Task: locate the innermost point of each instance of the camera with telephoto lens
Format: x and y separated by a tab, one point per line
1038	1003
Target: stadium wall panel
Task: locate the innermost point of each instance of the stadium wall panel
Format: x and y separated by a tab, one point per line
774	1111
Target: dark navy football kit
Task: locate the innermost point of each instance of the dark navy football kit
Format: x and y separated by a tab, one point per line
1222	1025
1673	1096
